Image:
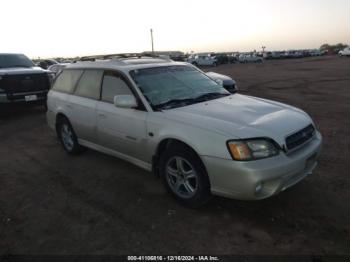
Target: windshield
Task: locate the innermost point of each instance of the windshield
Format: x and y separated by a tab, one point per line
14	60
179	85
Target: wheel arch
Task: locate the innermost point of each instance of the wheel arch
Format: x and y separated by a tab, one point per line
163	145
60	116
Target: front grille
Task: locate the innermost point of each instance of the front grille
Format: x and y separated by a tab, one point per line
300	137
25	83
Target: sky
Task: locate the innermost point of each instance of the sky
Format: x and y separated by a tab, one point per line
46	28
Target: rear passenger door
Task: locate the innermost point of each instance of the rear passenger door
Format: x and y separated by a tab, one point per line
82	105
120	129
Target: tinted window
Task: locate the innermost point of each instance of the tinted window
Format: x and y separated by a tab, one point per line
89	84
113	85
67	80
14	60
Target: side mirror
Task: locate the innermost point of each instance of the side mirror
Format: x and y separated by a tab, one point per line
125	101
219	81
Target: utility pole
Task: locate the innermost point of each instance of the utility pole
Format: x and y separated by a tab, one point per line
263	48
152	41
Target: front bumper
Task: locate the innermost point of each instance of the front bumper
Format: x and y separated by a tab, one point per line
19	98
253	180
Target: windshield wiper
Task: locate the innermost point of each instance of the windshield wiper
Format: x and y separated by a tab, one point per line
210	96
187	101
173	103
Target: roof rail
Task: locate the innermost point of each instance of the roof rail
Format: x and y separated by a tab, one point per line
121	56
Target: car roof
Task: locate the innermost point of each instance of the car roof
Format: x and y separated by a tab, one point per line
124	64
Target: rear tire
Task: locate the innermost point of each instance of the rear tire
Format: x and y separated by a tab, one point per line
67	137
184	176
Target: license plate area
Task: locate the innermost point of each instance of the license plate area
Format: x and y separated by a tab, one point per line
30	98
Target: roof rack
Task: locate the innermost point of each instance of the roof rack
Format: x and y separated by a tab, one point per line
121	56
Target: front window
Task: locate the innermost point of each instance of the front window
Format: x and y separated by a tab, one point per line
14	60
174	86
113	85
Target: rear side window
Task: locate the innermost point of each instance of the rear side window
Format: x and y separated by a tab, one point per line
90	84
113	85
67	80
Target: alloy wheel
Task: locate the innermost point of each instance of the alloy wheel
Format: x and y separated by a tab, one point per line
67	137
181	177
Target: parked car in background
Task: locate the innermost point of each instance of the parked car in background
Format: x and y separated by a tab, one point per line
296	54
66	61
273	55
315	52
233	58
267	55
45	63
171	118
250	58
56	68
345	52
21	81
173	55
287	54
202	59
227	82
222	58
306	53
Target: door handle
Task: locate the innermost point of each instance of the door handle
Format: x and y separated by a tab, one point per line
102	116
69	106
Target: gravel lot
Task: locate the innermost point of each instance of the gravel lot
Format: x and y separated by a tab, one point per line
52	203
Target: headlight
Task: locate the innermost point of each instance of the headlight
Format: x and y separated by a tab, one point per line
252	149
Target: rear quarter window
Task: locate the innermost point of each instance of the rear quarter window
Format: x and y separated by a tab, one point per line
67	80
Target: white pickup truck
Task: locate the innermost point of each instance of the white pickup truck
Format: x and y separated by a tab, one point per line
345	52
202	60
250	58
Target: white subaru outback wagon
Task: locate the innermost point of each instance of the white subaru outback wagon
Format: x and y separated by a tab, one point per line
170	118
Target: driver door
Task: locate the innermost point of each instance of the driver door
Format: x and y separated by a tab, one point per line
120	129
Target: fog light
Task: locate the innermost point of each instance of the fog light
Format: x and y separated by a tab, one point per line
258	188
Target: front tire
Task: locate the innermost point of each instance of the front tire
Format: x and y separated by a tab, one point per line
67	137
184	176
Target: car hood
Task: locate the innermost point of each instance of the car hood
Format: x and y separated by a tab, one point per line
21	70
240	116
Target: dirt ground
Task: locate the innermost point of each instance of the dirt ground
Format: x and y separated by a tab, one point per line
52	203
